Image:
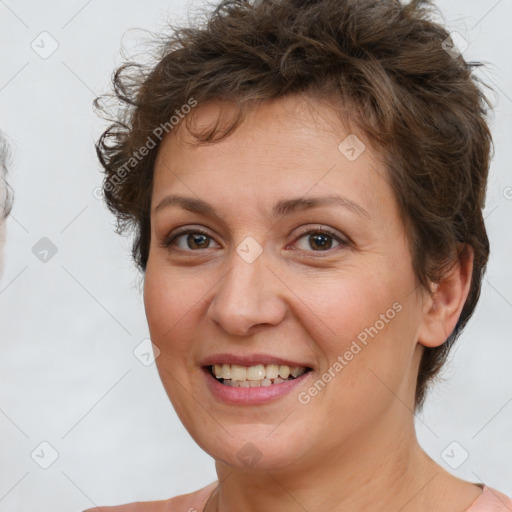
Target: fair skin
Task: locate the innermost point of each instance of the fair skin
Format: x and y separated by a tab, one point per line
353	446
2	221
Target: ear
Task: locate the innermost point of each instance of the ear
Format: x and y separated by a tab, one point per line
443	310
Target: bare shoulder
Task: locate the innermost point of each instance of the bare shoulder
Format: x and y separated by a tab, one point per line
191	502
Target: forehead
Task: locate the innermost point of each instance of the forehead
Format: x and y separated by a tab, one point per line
287	145
284	121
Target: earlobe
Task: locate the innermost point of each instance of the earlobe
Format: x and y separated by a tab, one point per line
443	310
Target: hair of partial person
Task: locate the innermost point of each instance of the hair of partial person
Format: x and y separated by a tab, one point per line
383	66
5	189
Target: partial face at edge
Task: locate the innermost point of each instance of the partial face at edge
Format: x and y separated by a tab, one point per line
3	197
306	297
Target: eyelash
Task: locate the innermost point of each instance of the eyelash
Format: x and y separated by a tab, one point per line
343	243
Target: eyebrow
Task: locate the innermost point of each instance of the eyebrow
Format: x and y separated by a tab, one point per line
283	207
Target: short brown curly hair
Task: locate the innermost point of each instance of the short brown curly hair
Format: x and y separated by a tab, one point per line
406	87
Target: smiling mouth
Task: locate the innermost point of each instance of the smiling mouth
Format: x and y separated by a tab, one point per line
255	376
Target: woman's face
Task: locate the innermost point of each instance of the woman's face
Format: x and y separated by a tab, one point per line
250	285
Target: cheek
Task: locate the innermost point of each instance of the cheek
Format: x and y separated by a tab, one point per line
170	303
372	326
345	304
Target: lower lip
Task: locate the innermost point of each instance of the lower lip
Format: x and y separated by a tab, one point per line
251	396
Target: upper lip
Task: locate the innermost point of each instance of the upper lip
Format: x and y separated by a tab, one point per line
249	360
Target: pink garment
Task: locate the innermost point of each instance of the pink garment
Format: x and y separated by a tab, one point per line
490	500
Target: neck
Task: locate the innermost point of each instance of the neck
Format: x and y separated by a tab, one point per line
382	470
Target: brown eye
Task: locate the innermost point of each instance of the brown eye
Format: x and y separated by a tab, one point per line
189	240
197	241
319	240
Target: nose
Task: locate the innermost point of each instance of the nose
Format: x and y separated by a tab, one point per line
248	297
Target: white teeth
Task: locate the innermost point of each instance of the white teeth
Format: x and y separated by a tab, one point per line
256	372
222	371
272	371
284	372
295	371
226	371
238	372
260	374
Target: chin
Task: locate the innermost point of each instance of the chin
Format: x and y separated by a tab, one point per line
256	447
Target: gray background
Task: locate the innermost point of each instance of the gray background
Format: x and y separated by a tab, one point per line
68	327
